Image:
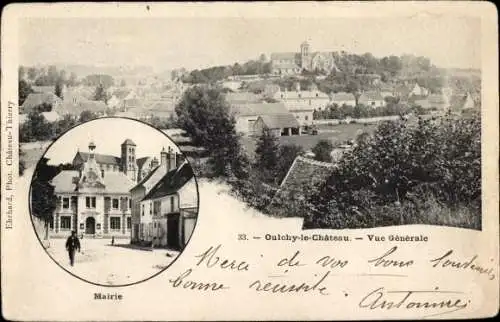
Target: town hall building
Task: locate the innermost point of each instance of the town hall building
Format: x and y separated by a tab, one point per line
94	197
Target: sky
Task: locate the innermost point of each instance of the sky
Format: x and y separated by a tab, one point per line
108	134
167	43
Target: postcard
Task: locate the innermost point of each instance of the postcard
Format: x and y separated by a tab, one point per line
249	161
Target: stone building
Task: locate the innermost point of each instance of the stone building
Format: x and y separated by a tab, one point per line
94	198
295	62
170	209
91	199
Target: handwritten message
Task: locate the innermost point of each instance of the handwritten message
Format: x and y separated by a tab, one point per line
317	278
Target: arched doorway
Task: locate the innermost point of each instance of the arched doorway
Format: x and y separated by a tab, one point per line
90	226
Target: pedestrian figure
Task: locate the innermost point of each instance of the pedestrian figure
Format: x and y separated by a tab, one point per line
72	244
112	240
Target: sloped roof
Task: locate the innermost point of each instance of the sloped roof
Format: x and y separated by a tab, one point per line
152	178
259	109
402	90
129	142
306	171
101	158
243	97
121	93
371	96
132	102
283	56
64	181
115	182
458	101
342	96
35	99
436	99
51	116
285	66
305	95
279	121
303	175
68	107
171	182
44	89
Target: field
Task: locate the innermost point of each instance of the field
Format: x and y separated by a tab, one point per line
335	134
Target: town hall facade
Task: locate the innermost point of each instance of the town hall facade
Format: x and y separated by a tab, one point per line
93	198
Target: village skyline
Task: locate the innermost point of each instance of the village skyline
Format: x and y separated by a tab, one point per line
202	43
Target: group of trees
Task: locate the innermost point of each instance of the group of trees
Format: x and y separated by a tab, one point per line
49	76
217	73
273	160
385	66
203	113
360	111
37	128
429	173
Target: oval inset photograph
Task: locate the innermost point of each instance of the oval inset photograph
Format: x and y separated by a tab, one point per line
113	201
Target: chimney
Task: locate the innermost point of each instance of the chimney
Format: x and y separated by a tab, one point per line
163	157
172	159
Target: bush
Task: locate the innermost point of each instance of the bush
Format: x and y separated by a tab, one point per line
376	183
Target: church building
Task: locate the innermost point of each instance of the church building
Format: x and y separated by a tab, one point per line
290	63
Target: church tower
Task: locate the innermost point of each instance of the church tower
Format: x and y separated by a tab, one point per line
128	160
305	55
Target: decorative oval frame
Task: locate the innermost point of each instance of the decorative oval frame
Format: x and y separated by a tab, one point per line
73	274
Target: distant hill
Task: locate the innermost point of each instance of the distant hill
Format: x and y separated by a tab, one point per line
83	70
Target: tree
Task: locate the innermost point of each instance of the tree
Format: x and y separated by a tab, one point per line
24	90
266	156
99	79
65	124
36	128
43	198
22	163
32	73
100	93
52	75
59	88
322	151
86	116
62	76
72	79
203	113
21	73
